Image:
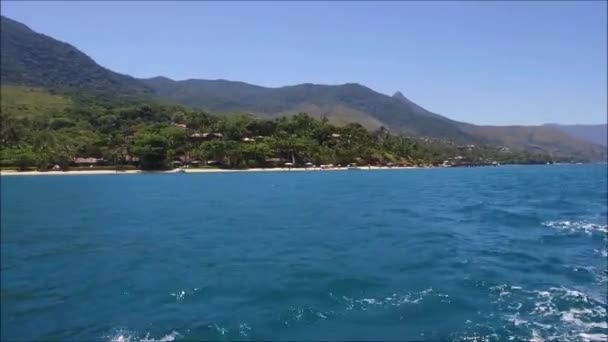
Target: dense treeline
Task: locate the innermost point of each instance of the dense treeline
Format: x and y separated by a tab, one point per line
42	130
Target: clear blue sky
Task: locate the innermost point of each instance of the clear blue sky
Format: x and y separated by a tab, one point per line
481	62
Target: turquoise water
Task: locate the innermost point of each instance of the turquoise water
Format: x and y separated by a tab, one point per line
514	252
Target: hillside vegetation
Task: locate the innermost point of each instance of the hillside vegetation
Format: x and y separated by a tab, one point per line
155	135
32	102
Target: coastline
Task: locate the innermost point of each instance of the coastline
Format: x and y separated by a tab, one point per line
276	169
213	170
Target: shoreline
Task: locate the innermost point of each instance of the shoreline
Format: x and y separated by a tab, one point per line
211	170
194	170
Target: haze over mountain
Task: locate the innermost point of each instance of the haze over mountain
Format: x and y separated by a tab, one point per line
33	59
597	134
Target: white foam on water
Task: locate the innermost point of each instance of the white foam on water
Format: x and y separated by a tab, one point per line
603	252
121	338
544	326
553	314
536	337
299	314
392	300
593	337
504	291
244	329
516	320
370	301
120	335
124	335
571	293
544	293
577	226
221	330
167	338
181	294
574	316
515	306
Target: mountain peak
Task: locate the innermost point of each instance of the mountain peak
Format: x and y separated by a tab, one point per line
399	95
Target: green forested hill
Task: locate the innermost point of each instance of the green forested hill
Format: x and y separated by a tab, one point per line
41	129
33	59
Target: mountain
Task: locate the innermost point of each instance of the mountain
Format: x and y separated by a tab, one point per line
412	106
596	134
340	103
540	139
34	59
356	103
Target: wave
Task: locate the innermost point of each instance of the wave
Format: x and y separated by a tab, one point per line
577	226
557	313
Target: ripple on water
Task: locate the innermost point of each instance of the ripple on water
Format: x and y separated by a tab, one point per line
299	269
392	300
597	275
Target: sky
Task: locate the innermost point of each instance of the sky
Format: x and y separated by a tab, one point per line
493	62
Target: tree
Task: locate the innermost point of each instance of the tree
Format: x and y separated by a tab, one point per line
151	148
234	127
25	158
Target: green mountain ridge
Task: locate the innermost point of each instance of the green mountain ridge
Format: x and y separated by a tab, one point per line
34	59
227	96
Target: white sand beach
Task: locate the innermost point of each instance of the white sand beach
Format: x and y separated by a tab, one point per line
64	173
195	170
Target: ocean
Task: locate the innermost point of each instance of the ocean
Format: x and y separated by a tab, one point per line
476	254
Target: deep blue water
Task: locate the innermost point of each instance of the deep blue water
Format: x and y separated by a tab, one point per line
514	252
